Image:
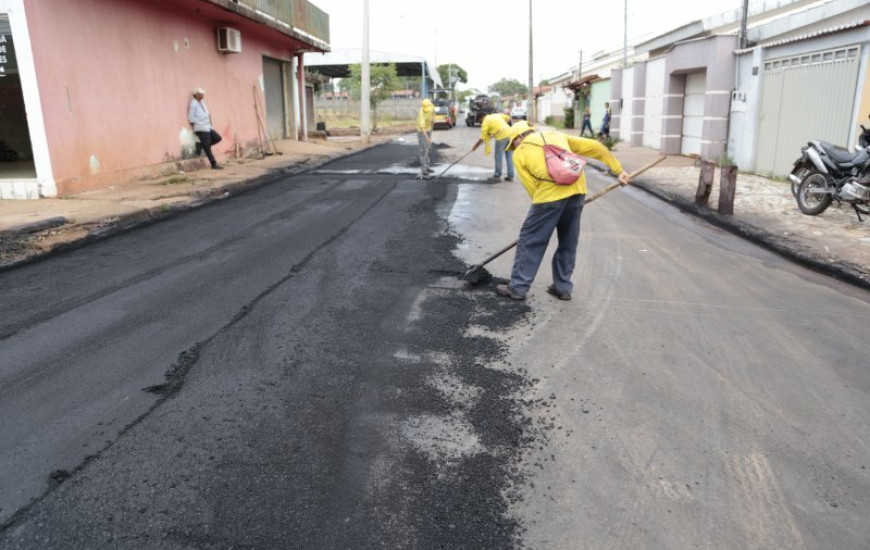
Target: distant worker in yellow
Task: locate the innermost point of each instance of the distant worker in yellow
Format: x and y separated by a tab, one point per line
497	126
425	123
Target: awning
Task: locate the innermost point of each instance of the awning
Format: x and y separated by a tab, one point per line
577	84
337	64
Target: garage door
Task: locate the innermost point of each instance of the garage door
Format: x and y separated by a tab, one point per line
655	87
807	96
693	113
273	84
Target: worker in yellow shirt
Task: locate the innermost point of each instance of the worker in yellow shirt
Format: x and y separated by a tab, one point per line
497	126
554	208
425	123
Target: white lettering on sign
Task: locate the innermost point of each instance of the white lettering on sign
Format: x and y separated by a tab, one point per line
3	61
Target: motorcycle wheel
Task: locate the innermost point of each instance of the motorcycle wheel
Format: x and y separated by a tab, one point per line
802	175
863	208
809	200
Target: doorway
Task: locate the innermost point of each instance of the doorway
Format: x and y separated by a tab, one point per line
16	150
273	88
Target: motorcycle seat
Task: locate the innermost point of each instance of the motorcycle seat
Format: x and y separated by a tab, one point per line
838	154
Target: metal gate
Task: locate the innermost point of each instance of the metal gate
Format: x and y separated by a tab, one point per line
805	96
694	99
599	94
273	87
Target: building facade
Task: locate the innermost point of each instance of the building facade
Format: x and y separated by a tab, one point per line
95	92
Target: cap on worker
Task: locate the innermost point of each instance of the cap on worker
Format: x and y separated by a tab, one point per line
428	105
198	91
519	128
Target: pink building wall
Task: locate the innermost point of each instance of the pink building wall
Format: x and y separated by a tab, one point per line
115	78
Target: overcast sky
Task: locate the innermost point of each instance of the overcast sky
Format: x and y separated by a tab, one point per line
489	39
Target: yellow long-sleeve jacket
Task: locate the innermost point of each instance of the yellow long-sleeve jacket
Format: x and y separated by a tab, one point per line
426	117
494	126
532	168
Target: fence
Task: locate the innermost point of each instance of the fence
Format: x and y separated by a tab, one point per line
396	109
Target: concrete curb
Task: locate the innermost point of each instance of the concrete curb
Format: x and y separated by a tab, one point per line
156	214
787	248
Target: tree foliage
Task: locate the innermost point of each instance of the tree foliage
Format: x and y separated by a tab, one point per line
384	81
444	71
509	86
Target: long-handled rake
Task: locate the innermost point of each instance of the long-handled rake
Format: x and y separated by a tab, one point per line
454	163
474	273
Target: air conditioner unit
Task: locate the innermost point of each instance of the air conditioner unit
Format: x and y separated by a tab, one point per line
229	40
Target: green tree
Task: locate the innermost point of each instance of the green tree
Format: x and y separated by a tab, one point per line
509	86
459	74
384	81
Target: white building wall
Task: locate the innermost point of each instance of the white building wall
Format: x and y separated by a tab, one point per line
655	92
743	126
627	96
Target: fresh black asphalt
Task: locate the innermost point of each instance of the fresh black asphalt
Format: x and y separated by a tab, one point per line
264	373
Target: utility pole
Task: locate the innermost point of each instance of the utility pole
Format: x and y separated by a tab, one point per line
625	36
365	123
532	114
743	42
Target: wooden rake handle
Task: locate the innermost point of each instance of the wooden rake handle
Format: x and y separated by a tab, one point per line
631	176
604	191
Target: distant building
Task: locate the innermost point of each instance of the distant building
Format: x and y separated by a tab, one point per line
695	90
95	92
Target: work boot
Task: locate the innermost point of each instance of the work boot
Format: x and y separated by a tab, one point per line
217	167
507	291
494	179
509	178
551	290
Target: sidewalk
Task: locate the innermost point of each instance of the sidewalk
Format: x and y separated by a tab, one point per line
764	210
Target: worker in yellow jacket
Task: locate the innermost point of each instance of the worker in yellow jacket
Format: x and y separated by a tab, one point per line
554	208
497	127
425	123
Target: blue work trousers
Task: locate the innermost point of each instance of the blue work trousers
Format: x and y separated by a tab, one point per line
500	145
562	216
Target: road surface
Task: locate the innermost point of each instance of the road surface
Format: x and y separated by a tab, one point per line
300	367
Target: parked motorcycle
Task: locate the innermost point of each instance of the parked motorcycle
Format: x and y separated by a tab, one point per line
825	173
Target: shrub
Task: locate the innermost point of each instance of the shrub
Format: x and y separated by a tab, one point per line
609	142
569	117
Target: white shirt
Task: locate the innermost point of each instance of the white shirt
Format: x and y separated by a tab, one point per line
198	115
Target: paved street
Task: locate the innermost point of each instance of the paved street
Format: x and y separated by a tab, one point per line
300	367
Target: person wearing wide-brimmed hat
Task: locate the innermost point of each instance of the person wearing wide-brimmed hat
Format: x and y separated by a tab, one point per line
425	124
555	207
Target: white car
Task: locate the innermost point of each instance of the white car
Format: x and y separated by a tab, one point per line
518	113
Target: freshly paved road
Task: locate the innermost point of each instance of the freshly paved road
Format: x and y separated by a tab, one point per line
299	368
